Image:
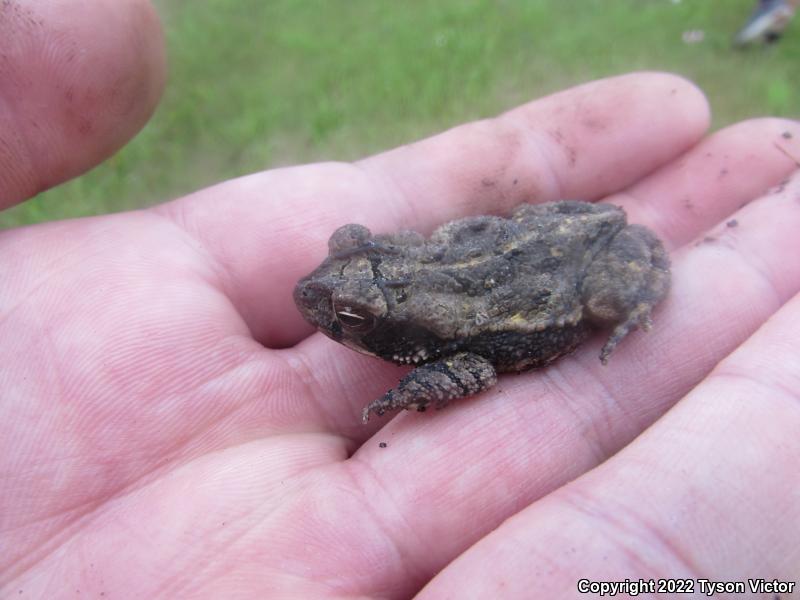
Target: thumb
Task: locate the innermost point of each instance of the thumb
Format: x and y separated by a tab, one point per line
78	78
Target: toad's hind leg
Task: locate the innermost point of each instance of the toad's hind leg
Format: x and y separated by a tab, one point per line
463	374
625	282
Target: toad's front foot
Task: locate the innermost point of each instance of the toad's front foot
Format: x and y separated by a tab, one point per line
436	383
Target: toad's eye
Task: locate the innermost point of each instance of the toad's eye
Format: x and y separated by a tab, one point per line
354	319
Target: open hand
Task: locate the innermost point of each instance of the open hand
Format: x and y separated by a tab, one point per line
172	428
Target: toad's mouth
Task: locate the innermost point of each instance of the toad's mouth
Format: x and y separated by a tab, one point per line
357	347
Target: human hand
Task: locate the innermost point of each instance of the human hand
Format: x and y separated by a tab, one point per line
173	429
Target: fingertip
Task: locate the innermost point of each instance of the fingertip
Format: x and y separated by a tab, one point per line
606	134
687	98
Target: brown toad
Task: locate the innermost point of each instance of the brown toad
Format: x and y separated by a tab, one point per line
484	295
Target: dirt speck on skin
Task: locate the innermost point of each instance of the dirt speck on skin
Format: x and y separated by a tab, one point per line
687	203
594	124
85	127
780	187
732	223
787	135
573	155
706	240
487	182
382	445
722	173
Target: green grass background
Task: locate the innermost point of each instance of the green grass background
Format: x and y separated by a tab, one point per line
256	84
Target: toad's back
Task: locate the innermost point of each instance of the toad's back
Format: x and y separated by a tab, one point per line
520	275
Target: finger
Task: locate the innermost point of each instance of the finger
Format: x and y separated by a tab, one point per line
543	429
267	230
710	490
84	77
344	380
582	143
713	179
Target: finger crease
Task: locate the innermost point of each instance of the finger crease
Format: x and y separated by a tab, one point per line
632	533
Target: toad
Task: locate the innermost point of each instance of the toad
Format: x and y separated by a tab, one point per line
484	295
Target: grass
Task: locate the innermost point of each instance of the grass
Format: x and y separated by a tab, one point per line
259	84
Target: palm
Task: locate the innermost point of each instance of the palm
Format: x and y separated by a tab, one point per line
173	427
